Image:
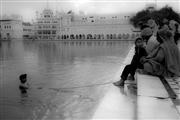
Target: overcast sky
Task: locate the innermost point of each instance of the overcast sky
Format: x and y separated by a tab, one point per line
28	8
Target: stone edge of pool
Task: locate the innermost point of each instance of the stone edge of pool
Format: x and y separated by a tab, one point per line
108	106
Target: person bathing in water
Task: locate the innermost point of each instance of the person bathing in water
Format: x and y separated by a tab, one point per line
140	52
23	83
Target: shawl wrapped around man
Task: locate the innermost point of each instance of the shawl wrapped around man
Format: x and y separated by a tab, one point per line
170	66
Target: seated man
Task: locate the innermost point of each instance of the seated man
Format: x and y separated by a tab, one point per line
165	60
135	63
149	36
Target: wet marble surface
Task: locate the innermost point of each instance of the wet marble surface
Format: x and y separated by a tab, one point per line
125	103
153	100
150	86
175	85
119	103
155	108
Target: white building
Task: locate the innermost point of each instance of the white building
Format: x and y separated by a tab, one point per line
10	29
47	25
28	30
97	28
68	26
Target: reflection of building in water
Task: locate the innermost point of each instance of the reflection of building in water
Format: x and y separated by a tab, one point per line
70	26
10	29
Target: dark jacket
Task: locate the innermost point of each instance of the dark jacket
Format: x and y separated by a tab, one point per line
139	53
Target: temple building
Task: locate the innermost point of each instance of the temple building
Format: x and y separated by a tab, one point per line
28	30
47	25
69	26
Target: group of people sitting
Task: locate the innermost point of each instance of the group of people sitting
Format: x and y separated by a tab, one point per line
156	51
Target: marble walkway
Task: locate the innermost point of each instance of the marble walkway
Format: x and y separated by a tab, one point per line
145	98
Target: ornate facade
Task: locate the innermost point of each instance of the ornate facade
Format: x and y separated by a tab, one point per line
68	26
47	25
28	30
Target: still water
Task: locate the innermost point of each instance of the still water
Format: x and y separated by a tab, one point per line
65	77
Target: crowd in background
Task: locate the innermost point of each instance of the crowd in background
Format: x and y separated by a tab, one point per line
156	51
162	48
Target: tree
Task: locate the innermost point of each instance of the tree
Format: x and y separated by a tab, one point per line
158	15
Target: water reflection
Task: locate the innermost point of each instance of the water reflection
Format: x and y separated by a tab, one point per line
53	65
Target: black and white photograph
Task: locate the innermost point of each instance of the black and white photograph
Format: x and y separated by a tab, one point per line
89	59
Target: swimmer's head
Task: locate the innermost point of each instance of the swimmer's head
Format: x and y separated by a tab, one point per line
23	78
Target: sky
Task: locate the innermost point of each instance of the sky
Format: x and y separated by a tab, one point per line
27	8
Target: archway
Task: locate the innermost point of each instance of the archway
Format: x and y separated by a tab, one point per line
64	36
119	36
83	37
114	36
108	36
89	36
95	36
67	36
76	36
111	36
102	36
80	36
99	36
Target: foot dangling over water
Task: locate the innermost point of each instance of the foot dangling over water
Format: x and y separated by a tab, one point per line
119	83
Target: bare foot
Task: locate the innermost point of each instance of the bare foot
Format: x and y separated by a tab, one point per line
119	83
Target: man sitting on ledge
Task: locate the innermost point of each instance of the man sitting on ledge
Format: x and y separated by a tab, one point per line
165	60
131	68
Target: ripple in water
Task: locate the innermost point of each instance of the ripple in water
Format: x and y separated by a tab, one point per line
51	67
